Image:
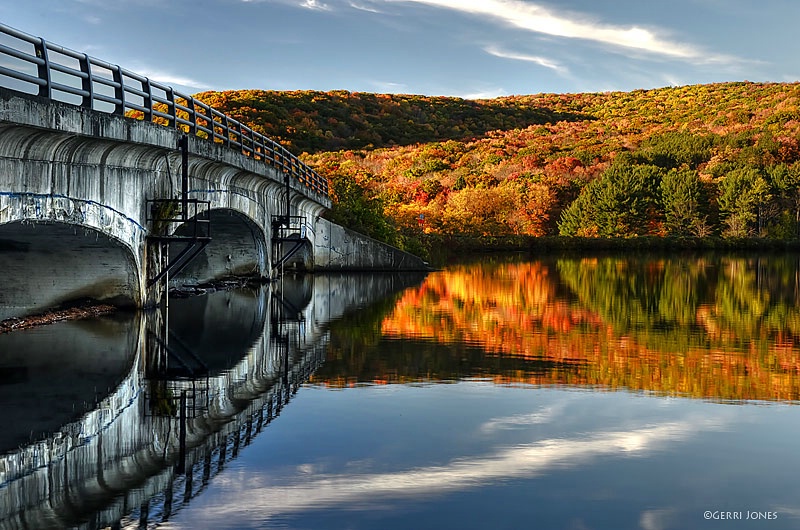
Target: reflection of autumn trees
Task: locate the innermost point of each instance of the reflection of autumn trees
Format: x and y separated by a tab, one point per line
712	327
723	327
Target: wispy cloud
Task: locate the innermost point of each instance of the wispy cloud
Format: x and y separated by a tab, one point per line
488	93
388	86
315	5
362	7
543	415
543	20
172	79
541	61
657	519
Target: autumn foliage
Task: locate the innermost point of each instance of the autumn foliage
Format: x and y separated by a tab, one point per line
719	160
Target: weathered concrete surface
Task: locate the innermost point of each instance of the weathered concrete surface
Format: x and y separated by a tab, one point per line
45	264
238	248
74	186
337	248
73	212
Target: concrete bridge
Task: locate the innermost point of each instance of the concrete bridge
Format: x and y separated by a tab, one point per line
113	186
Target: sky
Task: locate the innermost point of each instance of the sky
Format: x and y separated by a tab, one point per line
464	48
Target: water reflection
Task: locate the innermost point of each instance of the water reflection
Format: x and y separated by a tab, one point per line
51	376
478	455
710	326
123	421
520	433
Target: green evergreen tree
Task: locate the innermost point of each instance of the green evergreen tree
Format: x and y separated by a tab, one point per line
624	202
743	194
785	182
578	219
685	204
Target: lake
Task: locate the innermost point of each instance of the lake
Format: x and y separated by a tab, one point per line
600	391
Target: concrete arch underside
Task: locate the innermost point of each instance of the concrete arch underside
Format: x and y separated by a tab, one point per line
46	264
238	248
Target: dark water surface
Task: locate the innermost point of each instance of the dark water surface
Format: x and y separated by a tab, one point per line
601	392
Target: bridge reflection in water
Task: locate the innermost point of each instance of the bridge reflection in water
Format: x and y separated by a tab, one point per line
120	422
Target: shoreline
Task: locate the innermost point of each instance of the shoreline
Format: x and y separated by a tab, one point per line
447	246
81	309
480	244
77	312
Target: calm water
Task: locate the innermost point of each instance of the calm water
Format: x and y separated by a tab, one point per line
602	392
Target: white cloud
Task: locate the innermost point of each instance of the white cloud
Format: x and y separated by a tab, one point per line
489	93
389	87
173	80
539	19
315	5
543	415
362	7
541	61
656	519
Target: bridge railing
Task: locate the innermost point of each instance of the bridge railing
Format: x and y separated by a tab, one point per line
32	65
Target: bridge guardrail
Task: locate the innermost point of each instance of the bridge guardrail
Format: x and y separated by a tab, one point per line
32	65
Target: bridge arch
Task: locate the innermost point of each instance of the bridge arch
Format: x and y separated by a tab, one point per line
55	250
237	248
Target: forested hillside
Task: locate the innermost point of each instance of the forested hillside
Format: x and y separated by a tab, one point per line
717	160
306	121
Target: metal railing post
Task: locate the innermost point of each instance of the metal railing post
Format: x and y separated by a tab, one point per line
183	144
45	90
87	83
148	100
193	118
172	110
119	91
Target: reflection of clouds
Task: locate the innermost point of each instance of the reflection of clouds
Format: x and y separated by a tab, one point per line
544	415
656	519
261	499
785	511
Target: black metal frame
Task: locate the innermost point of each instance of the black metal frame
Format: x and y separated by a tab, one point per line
286	226
98	84
287	229
190	211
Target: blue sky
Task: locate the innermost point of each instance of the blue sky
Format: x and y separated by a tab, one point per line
465	48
